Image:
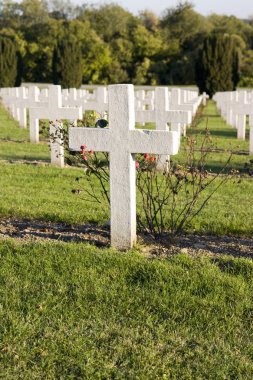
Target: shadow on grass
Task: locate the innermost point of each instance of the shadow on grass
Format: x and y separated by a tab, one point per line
233	267
216	167
221	133
213	116
226	134
213	132
21	157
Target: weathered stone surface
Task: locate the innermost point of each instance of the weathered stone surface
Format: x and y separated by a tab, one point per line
122	141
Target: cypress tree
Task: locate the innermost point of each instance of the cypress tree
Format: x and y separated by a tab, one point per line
19	69
236	68
8	62
217	65
67	64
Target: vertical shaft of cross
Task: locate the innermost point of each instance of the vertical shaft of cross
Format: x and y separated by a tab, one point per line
122	168
122	199
161	108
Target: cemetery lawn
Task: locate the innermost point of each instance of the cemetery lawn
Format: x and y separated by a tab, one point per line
15	145
45	193
14	141
223	139
72	311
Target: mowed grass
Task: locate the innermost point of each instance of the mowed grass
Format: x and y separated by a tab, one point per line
14	141
45	193
71	311
223	137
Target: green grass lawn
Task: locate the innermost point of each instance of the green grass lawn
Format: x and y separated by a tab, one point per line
45	193
14	141
71	311
223	137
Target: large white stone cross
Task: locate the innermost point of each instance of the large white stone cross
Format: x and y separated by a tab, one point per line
122	141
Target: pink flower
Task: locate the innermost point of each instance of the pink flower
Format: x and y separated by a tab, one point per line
85	158
137	165
146	156
83	147
91	151
152	159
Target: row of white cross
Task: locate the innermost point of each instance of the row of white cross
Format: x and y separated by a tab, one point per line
235	106
161	105
122	141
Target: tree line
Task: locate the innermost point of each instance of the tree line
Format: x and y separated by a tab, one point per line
56	41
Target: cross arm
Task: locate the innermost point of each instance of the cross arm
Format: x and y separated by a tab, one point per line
94	138
179	116
145	116
69	113
156	142
246	109
39	113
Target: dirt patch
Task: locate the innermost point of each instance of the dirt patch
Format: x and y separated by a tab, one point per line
36	231
207	245
194	245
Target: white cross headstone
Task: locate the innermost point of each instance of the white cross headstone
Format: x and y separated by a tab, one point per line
205	97
54	112
122	141
241	126
20	106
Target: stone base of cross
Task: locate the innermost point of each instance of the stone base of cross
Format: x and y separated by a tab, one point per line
123	141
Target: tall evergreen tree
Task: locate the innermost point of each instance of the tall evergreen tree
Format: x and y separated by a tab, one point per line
236	68
8	62
67	64
217	65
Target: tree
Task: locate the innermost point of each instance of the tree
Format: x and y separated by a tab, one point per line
183	27
217	65
8	62
67	64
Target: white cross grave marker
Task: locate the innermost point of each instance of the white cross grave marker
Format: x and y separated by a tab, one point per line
53	111
161	116
122	141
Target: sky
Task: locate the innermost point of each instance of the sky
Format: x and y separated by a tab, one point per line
240	8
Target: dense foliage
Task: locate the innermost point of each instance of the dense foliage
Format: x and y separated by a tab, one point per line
217	66
8	62
67	64
117	46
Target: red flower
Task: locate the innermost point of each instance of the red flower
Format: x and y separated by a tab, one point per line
83	147
91	151
137	165
152	159
146	156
